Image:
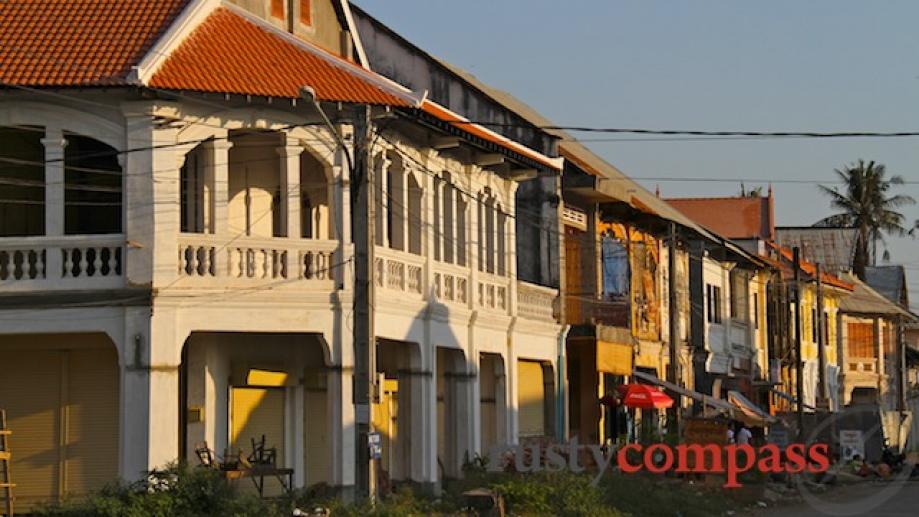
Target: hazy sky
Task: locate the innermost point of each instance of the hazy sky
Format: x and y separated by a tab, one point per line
830	65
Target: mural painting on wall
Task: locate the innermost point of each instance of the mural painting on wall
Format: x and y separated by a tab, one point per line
645	258
629	270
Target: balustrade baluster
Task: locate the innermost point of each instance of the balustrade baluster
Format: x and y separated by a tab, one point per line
112	261
68	262
97	261
193	260
40	263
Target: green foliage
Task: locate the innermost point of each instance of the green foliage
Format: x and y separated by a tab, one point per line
201	492
175	491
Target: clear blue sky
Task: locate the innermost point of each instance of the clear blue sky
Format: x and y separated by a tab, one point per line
829	65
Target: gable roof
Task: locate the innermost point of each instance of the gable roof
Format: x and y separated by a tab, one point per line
48	43
890	281
833	248
204	46
234	52
786	257
732	217
865	300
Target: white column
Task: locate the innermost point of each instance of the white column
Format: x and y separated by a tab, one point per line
290	187
405	209
438	220
149	410
151	186
384	201
428	241
217	179
454	223
54	143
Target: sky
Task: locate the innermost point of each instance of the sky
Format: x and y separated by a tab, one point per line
782	65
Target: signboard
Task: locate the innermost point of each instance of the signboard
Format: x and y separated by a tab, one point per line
701	430
375	442
851	443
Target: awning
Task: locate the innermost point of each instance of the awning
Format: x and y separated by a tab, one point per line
708	400
749	412
791	399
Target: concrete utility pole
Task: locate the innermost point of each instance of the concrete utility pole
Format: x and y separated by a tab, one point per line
673	371
362	208
822	392
799	362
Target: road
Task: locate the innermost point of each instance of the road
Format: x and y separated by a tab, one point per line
875	499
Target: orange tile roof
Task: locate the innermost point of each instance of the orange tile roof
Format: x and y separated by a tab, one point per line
78	42
731	217
229	53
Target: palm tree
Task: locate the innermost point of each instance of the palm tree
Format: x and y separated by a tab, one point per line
865	203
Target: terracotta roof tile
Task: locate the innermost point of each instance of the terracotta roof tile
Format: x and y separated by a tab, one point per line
78	42
731	217
228	53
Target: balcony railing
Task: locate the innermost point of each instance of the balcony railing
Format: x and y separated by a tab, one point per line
73	262
399	271
862	365
209	260
536	302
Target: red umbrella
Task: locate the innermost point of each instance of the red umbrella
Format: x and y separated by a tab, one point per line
643	396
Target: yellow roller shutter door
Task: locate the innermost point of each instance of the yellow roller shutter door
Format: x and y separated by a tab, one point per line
257	412
531	399
62	407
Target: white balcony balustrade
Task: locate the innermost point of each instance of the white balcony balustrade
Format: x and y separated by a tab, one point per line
210	261
536	302
63	263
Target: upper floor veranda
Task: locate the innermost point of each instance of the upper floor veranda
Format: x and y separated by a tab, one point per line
184	199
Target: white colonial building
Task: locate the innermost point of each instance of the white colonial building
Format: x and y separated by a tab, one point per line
176	256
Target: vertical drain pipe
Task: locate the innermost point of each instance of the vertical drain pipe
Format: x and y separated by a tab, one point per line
560	433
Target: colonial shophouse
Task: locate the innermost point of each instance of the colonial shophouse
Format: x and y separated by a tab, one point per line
176	257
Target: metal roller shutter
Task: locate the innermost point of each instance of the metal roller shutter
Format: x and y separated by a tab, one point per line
62	406
531	399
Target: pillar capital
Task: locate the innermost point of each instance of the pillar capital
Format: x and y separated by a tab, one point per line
290	149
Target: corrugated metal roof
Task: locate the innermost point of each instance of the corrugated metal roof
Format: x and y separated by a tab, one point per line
79	42
890	281
832	248
865	300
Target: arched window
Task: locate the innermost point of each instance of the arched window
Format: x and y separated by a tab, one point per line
448	219
92	187
192	187
415	226
491	234
22	181
395	204
461	250
501	237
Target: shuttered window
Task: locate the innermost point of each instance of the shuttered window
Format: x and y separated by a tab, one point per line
860	340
